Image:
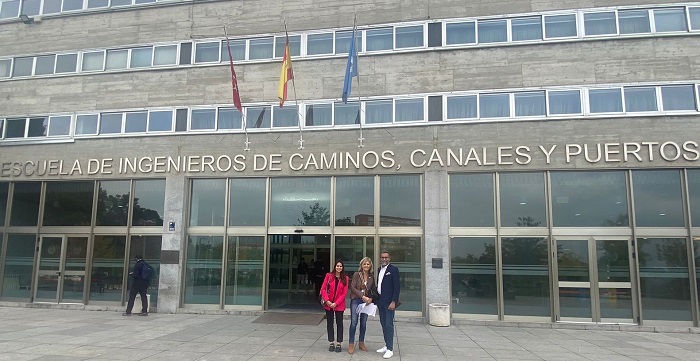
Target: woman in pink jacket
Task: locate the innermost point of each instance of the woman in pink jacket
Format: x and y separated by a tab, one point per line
333	292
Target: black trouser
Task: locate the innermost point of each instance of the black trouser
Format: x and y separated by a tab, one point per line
338	315
140	287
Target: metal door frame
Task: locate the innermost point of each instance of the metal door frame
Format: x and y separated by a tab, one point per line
61	268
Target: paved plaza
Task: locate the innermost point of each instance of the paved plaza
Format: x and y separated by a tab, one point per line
55	334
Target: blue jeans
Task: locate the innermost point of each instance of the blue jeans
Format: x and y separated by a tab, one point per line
353	321
386	318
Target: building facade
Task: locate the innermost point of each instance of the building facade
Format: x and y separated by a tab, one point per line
522	161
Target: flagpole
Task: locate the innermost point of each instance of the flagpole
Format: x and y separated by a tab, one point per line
296	101
361	139
243	118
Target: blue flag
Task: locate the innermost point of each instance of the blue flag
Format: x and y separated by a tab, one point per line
350	69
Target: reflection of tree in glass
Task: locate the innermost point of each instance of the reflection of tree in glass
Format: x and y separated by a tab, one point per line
317	216
145	216
112	210
622	220
345	221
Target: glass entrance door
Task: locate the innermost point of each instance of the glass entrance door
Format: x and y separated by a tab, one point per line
61	273
594	280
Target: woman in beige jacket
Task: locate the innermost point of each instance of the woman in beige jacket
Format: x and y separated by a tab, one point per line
362	282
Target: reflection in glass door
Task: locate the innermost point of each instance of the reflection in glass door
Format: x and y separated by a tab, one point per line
594	280
61	273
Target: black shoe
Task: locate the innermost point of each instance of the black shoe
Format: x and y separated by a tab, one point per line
126	314
337	348
143	314
331	348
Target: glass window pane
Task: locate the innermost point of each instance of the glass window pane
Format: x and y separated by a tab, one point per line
494	105
678	97
380	39
68	203
317	44
560	26
165	55
399	201
473	275
461	107
203	119
354	201
15	128
45	64
664	279
605	100
19	263
261	48
31	7
25	204
493	31
342	41
589	199
300	201
113	203
319	114
107	268
110	123
285	117
203	269
136	122
141	57
378	111
5	65
634	21
460	33
37	127
4	189
258	117
91	4
405	254
230	118
409	110
693	195
206	52
346	114
66	63
409	36
86	124
564	102
237	50
247	202
93	61
522	200
667	20
525	276
694	18
149	202
294	45
527	28
529	104
69	5
121	2
59	126
640	99
657	198
244	271
160	121
9	9
600	23
207	202
471	200
23	67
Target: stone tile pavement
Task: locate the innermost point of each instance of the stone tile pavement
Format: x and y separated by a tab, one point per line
56	335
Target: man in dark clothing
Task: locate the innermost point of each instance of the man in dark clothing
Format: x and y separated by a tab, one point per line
138	285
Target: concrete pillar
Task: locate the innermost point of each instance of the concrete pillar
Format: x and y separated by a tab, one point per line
437	242
174	242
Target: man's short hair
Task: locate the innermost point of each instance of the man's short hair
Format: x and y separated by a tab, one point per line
138	256
385	251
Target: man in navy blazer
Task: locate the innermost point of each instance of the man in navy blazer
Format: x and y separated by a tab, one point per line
388	288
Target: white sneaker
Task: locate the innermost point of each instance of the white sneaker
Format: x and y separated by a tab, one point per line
382	350
388	354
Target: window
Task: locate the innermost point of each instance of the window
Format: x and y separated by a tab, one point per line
472	200
229	118
86	124
600	23
237	50
261	48
25	204
354	205
206	52
380	39
493	31
658	200
294	45
461	107
136	122
460	33
91	4
93	61
522	200
317	44
121	3
342	41
399	201
378	111
45	64
605	100
51	7
694	18
70	5
564	102
5	65
258	117
207	202
117	59
319	115
285	116
247	202
165	55
66	63
640	99
529	104
23	67
347	114
110	123
634	21
589	199
15	128
560	26
149	202
668	20
141	57
409	36
37	127
63	196
160	121
679	97
300	201
203	119
494	105
31	7
59	125
409	110
527	28
9	9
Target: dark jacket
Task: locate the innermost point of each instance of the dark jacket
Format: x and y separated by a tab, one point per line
137	270
390	285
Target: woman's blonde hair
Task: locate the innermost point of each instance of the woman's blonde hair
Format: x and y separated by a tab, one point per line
371	265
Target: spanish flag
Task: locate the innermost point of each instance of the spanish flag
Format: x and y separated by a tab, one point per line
286	74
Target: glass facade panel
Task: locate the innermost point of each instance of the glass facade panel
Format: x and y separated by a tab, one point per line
317	44
600	23
664	279
614	266
86	124
461	107
589	199
529	104
380	39
160	121
494	106
399	201
38	127
525	276
59	126
526	28
165	55
605	100
113	203
66	63
473	275
93	61
300	201
206	52
495	31
694	18
352	250
68	203
207	202
244	271
117	59
45	64
141	57
23	67
294	45
319	115
409	110
634	21
668	20
15	128
258	117
560	26
472	200
693	197
149	202
640	99
4	190
678	97
237	50
347	114
342	41
203	269
284	117
19	264
406	255
136	122
25	204
261	48
378	111
247	201
9	9
460	33
522	197
230	118
658	200
111	123
354	201
409	36
107	268
203	119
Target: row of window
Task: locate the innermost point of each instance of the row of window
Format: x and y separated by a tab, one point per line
555	102
572	25
11	9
